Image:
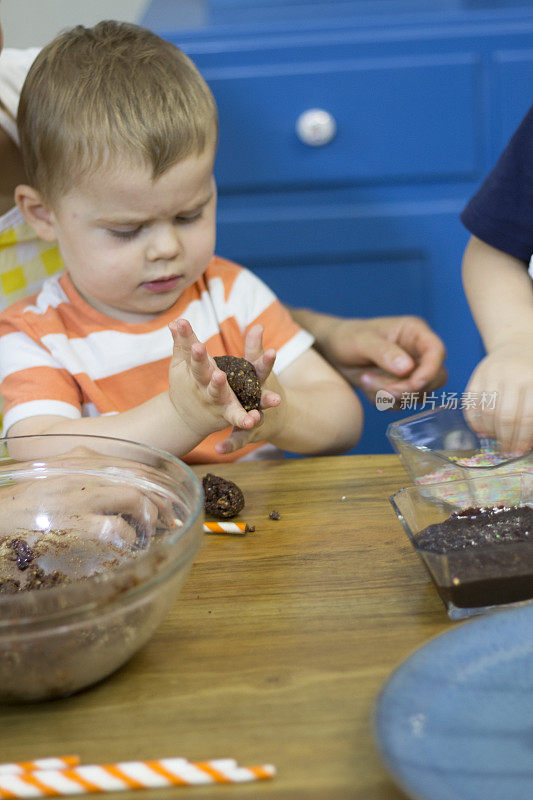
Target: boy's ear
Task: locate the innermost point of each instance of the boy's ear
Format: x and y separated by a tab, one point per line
36	212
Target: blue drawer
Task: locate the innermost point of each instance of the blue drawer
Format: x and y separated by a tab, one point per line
363	260
397	118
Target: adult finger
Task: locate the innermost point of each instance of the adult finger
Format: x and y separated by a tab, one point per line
399	387
429	369
375	349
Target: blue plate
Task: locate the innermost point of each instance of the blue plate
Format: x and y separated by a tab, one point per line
455	721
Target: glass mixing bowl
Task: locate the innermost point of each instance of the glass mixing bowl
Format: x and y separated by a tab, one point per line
97	536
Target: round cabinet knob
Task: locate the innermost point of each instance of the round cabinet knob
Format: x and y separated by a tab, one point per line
316	127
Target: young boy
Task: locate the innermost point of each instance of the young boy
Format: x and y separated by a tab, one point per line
500	293
400	354
118	133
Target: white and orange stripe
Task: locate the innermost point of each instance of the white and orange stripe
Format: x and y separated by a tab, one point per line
226	527
122	776
60	356
60	762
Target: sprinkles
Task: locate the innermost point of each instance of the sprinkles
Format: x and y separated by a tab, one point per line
476	467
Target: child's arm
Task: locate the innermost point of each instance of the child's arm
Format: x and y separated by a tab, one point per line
198	402
319	414
399	354
500	293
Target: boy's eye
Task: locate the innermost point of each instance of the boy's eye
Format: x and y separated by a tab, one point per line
125	234
192	218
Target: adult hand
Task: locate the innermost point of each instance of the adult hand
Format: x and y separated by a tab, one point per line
399	354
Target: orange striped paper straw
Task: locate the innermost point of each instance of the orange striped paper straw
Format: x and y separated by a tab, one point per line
61	762
127	775
226	527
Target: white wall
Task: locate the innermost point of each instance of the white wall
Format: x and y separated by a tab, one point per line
28	23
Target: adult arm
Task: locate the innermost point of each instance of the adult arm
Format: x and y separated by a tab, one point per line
399	354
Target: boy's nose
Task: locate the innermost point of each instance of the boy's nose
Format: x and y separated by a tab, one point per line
164	243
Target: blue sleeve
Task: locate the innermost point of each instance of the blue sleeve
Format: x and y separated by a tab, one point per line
501	211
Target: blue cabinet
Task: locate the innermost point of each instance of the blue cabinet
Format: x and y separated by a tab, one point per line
420	103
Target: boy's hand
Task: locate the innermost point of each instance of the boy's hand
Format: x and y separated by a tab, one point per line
200	391
508	370
399	354
263	363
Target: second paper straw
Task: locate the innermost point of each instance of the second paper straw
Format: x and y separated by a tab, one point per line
129	775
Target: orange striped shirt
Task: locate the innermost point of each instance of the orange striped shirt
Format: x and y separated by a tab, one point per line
60	356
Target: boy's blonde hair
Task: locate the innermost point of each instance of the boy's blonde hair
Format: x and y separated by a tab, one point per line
114	90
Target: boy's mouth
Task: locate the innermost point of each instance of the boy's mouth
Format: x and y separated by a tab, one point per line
162	284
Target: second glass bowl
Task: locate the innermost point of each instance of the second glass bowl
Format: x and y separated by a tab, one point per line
478	577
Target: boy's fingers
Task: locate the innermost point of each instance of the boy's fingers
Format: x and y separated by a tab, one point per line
177	352
184	338
524	437
525	442
201	366
220	393
269	399
263	365
509	421
263	361
237	439
218	388
253	343
240	418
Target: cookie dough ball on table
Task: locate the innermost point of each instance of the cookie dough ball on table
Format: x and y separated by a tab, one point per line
243	379
223	499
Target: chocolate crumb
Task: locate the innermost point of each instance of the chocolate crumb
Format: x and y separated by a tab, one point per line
9	586
274	514
39	579
243	379
23	553
223	499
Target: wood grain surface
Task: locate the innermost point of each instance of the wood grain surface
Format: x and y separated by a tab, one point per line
275	650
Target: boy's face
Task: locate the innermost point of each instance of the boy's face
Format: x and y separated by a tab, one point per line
132	244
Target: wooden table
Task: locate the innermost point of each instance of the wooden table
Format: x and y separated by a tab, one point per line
276	648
